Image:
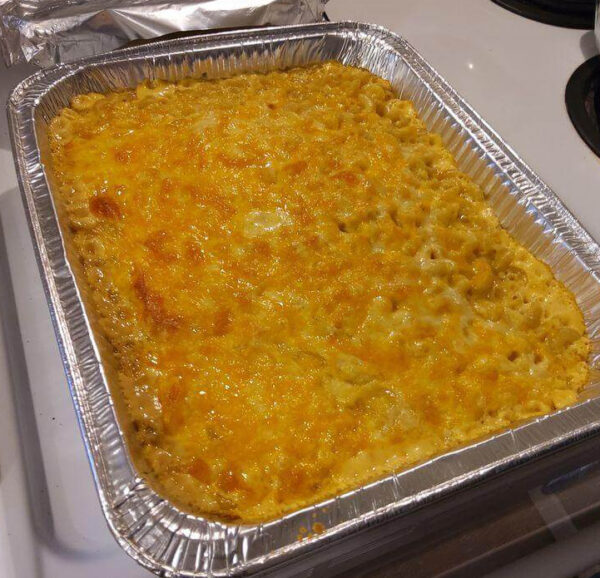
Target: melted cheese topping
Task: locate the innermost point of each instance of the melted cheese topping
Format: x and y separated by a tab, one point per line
302	291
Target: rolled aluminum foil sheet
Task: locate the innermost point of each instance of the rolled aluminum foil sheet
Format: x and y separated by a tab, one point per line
150	529
48	32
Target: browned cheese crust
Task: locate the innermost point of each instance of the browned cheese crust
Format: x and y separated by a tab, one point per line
302	291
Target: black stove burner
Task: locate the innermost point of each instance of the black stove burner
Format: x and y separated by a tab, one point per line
582	97
566	13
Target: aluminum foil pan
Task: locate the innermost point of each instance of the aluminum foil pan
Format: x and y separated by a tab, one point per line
150	529
49	32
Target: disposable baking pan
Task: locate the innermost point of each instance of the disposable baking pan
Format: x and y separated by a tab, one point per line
149	528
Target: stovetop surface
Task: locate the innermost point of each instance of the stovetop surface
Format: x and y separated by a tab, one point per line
513	71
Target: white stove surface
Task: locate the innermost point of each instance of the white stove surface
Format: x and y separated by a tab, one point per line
511	70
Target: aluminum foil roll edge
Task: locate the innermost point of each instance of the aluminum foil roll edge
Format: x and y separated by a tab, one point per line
43	33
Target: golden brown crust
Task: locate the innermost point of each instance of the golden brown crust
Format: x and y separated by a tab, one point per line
302	291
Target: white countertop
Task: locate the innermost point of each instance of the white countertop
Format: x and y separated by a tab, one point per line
511	70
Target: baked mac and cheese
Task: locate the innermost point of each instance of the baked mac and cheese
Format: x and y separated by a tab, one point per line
302	291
